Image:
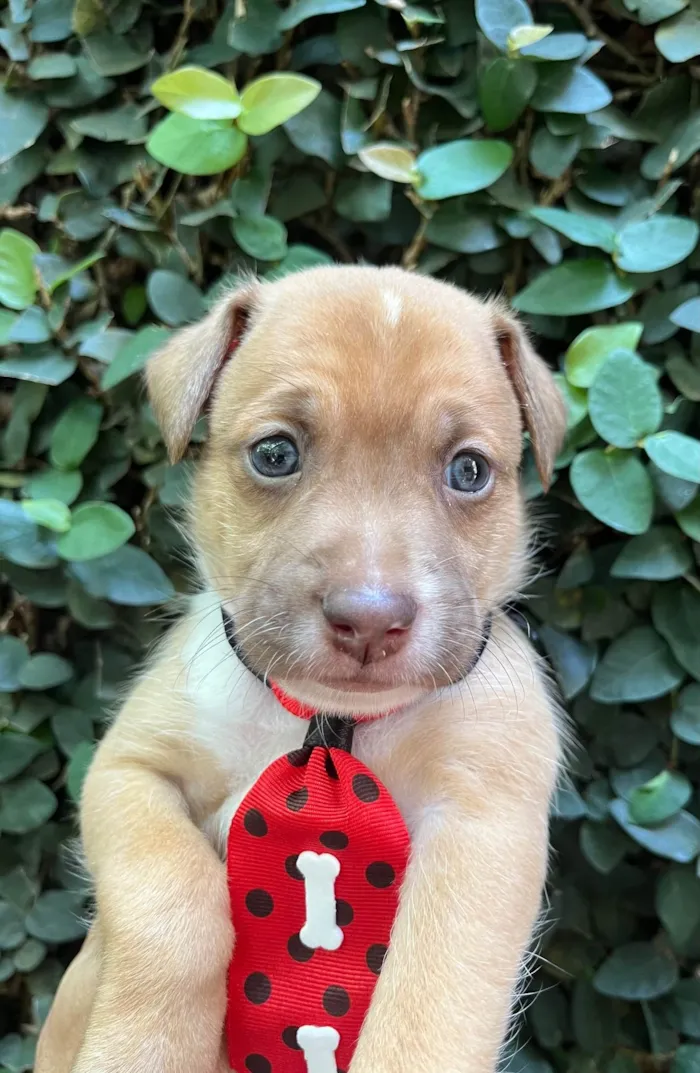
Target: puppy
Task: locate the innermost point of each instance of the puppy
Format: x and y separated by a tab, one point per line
357	514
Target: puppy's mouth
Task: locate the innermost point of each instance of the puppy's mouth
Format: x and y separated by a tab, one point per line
333	670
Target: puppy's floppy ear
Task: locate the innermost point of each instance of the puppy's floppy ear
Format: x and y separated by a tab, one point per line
542	407
180	377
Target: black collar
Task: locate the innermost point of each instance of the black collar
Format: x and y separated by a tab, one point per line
327	728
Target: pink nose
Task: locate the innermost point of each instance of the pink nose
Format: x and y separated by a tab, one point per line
369	624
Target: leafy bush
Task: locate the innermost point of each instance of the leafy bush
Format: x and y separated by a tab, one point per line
550	153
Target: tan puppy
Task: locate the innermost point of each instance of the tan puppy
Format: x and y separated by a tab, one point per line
357	512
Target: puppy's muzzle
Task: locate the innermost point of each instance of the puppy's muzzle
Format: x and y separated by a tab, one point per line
369	623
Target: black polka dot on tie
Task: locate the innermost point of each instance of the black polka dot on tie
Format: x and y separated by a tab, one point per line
297	799
290	867
336	1001
257	988
254	823
259	903
365	789
289	1036
375	958
343	914
298	757
331	770
334	840
256	1063
380	874
297	950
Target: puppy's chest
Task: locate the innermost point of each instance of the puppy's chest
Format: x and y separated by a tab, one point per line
245	742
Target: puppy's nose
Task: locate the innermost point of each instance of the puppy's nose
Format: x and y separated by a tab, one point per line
369	623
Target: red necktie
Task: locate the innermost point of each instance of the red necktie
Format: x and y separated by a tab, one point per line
316	851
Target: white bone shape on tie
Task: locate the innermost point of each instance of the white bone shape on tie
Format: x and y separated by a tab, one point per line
320	871
319	1046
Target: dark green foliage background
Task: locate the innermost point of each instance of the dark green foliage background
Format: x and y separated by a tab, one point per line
603	119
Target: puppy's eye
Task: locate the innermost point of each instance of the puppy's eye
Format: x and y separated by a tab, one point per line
276	456
467	472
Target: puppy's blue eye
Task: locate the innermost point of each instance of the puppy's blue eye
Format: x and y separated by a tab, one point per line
276	456
468	472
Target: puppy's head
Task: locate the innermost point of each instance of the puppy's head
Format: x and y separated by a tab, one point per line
357	507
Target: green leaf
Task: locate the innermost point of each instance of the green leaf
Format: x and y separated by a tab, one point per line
173	298
16	750
678	39
13	656
128	576
636	972
689	520
685	718
497	18
196	146
21	541
301	10
389	161
603	847
22	120
593	346
461	167
678	903
12	931
315	131
18	285
624	401
554	46
584	230
687	315
51	513
522	36
685	376
25	805
573	661
505	87
455	227
272	99
659	799
198	93
45	671
48	368
112	54
262	237
57	917
675	612
132	356
32	326
97	529
675	453
55	484
574	287
661	554
655	244
615	487
77	769
75	433
637	666
677	839
686	1059
365	199
551	155
571	89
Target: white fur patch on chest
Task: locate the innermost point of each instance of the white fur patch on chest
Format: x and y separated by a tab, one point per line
239	722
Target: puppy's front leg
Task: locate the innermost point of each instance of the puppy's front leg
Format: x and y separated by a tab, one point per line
163	911
471	894
471	897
